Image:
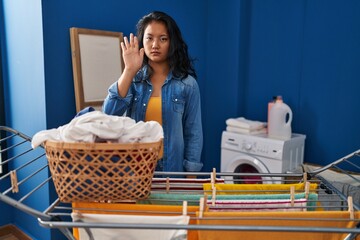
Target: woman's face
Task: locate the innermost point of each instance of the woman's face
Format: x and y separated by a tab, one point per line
156	42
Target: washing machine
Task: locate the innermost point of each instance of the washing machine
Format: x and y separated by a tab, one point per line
242	153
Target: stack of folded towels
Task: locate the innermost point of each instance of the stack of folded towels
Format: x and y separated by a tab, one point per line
245	126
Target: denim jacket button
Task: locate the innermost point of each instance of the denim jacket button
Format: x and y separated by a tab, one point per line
144	104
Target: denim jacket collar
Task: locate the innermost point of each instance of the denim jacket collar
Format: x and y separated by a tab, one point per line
142	75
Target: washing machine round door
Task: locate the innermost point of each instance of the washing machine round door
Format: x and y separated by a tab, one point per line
244	163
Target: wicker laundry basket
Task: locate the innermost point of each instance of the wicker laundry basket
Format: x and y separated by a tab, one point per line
102	171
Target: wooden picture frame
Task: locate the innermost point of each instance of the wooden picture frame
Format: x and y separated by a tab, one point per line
97	63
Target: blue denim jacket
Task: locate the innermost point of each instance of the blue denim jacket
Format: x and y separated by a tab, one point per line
181	117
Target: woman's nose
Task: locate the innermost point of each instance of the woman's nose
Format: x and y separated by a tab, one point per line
155	44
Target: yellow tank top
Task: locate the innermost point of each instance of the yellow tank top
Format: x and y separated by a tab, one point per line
153	111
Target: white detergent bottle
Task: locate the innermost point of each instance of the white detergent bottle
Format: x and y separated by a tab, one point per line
280	117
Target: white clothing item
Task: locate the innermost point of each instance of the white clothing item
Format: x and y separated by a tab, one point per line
96	125
241	122
245	131
133	234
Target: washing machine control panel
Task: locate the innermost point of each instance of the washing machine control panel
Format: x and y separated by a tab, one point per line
262	149
253	145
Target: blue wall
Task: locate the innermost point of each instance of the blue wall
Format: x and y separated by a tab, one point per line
223	83
25	89
308	51
247	51
6	216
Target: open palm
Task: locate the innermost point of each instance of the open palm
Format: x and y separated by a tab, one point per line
132	55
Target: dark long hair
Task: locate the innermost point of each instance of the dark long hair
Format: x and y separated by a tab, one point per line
180	63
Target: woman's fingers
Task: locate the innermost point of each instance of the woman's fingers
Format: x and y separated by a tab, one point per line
131	43
132	55
126	42
123	46
136	42
131	40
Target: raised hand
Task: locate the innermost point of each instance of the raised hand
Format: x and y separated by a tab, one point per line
132	55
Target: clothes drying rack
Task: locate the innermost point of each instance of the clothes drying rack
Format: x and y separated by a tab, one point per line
22	166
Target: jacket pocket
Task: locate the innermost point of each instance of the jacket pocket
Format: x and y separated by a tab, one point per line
178	104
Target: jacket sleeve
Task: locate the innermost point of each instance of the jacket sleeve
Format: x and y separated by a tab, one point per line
193	135
114	104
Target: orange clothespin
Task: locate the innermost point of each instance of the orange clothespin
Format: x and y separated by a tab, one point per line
14	182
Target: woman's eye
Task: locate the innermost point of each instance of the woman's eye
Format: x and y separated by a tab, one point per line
163	39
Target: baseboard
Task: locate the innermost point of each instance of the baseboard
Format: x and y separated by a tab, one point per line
14	231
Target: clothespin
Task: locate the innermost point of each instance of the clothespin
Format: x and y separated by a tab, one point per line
184	209
305	177
203	204
167	185
201	207
14	182
213	188
307	189
351	207
213	197
78	213
213	177
292	195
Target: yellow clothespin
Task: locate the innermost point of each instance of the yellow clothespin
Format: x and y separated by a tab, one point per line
292	195
351	207
14	182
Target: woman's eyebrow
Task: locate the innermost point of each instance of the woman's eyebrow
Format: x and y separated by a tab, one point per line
161	35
